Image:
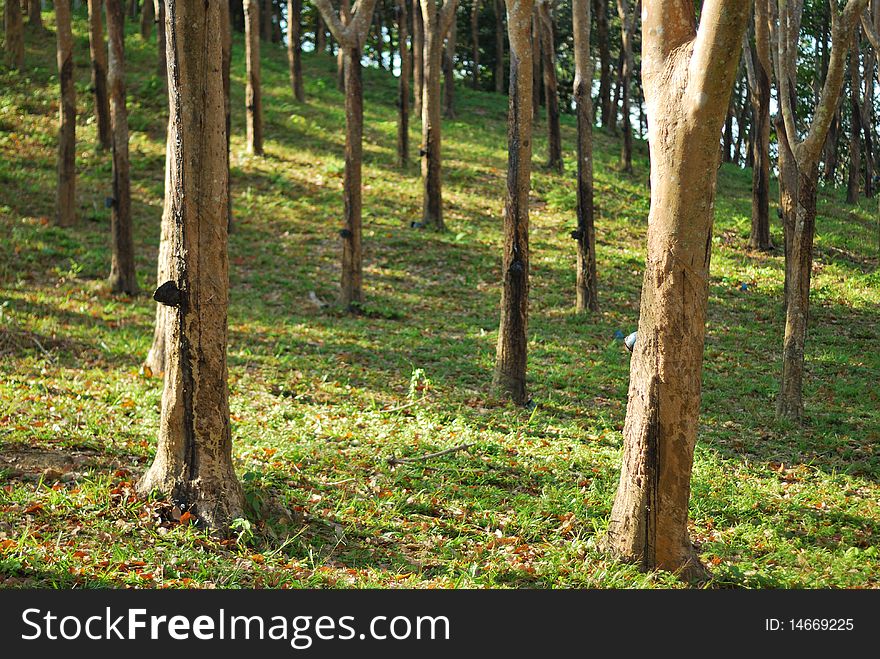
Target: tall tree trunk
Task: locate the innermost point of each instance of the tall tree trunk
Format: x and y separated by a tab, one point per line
98	55
148	17
345	12
587	289
133	7
475	44
551	94
380	37
855	125
226	54
265	19
436	25
65	200
320	34
537	87
35	15
403	85
449	73
253	95
687	81
277	16
759	237
867	112
418	46
499	45
193	464
161	60
830	152
618	87
628	26
511	353
603	40
123	278
294	48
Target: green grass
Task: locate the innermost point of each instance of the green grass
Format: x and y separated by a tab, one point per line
773	504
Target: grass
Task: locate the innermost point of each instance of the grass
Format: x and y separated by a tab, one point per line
313	390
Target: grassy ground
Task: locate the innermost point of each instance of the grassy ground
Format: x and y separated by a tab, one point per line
320	400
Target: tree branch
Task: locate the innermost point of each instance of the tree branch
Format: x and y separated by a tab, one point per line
666	26
751	79
394	461
353	33
870	31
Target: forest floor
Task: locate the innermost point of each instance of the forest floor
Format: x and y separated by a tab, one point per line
322	399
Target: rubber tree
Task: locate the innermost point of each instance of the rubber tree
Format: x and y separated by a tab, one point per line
35	15
551	93
403	85
14	34
758	73
586	289
854	177
871	25
226	51
351	38
123	278
449	72
253	93
193	463
294	49
65	198
98	54
687	75
627	29
437	23
511	353
148	17
798	179
418	46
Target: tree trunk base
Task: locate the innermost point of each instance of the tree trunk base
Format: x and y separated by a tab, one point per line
789	409
511	387
688	567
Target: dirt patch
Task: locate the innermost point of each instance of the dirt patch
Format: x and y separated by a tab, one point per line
31	462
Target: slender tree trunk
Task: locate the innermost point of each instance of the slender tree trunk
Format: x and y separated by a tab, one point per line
65	200
627	19
98	54
148	17
380	37
551	94
511	353
499	46
403	85
265	19
123	278
587	289
618	87
830	155
418	57
867	112
226	54
161	61
155	362
193	464
475	44
133	7
277	16
351	292
294	48
449	73
855	125
345	14
35	15
760	233
253	95
603	40
320	34
649	518
537	87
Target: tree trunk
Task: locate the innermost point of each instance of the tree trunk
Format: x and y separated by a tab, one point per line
161	60
867	112
35	15
133	9
253	97
499	46
344	11
351	292
830	155
418	47
475	44
99	73
65	200
294	49
587	289
449	73
687	81
855	126
537	87
759	237
122	271
511	353
265	19
603	40
380	37
320	34
226	54
551	94
277	16
403	85
627	19
193	463
148	17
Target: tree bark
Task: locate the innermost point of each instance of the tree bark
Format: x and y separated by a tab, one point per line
35	15
537	87
475	44
99	73
418	57
830	153
253	95
511	353
855	125
148	17
294	49
123	278
687	79
628	26
449	72
499	46
344	15
867	122
13	30
65	200
603	40
320	34
161	60
226	55
551	94
193	464
265	19
436	25
403	85
587	289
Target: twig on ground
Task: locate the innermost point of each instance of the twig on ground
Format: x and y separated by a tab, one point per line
394	461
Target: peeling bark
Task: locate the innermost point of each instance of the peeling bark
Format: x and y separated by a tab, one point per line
65	199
